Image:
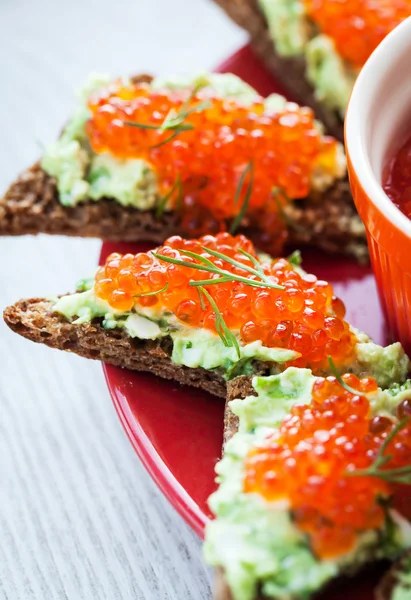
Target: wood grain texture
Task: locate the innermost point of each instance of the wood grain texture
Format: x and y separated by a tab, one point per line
79	516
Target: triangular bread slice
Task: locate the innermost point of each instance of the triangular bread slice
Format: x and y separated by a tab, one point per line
327	220
36	320
32	206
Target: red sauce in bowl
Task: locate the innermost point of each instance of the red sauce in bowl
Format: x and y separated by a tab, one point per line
397	178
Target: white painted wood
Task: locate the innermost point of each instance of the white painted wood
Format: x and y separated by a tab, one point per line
79	516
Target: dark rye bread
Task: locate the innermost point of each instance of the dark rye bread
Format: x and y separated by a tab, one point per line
386	589
35	320
240	387
31	206
290	71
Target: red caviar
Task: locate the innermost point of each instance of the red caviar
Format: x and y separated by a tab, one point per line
306	462
285	148
305	316
357	27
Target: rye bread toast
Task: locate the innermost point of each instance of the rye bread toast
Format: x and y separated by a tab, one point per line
289	70
31	205
35	320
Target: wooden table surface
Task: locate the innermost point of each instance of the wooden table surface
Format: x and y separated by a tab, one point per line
79	516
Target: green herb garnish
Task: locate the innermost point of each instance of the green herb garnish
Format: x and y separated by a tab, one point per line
225	276
239	217
341	380
174	121
397	475
287	219
154	293
295	258
164	200
227	337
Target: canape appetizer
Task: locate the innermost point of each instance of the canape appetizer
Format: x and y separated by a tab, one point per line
146	158
312	483
316	48
202	311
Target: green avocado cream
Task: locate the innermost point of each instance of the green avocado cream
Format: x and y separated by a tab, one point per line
288	25
194	347
256	542
81	174
294	34
331	77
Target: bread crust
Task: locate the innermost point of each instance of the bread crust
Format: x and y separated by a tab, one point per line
31	206
36	320
290	70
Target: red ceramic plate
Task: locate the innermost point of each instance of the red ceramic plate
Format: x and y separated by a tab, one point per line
176	431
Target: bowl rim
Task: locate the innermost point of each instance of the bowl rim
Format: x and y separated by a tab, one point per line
365	88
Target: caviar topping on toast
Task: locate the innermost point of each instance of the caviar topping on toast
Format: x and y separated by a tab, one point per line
211	155
335	463
213	303
144	158
309	484
262	299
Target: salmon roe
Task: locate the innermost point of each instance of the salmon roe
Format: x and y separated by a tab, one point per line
357	27
285	148
304	316
308	460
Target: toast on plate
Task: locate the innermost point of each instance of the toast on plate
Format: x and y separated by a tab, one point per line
122	169
302	500
204	311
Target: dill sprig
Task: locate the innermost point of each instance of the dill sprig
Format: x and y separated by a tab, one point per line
341	380
396	475
277	192
227	336
295	258
247	196
177	185
153	293
224	276
174	120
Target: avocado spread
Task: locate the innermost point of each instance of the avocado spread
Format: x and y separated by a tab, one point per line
192	347
256	542
294	34
195	347
82	174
